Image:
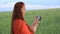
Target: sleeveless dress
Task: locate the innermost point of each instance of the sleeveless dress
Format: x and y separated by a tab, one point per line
20	27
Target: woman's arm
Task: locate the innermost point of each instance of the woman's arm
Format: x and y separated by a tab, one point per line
33	28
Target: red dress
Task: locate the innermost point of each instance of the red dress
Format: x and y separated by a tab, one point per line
20	27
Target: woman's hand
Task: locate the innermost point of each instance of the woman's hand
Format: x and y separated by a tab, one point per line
36	21
35	24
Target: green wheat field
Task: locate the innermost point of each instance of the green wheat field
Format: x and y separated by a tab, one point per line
50	23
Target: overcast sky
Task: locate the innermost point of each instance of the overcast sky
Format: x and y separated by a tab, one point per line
7	5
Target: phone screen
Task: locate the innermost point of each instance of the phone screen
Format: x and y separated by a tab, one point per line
39	18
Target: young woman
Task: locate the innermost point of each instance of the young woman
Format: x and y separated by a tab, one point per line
19	25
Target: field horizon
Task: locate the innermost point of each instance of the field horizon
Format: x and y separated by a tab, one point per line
35	9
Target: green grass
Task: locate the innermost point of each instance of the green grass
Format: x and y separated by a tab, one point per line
50	23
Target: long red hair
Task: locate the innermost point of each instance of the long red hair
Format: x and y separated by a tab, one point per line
17	14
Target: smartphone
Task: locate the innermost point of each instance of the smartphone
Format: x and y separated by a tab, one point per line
39	18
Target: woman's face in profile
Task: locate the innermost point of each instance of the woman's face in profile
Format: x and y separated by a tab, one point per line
23	10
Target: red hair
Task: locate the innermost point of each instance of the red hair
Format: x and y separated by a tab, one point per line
17	14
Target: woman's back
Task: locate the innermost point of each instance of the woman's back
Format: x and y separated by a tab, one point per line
20	27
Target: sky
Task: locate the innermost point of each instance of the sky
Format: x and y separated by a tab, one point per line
8	5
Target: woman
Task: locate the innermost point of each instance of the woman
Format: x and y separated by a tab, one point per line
19	25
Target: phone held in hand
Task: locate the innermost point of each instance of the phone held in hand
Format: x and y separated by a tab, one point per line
39	18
